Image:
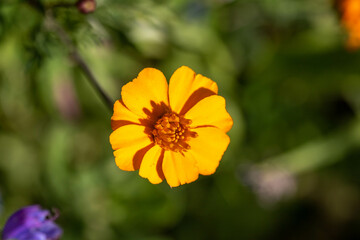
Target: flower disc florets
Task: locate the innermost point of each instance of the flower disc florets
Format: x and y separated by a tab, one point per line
172	132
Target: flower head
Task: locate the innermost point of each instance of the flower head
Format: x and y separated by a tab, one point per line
351	21
31	223
172	131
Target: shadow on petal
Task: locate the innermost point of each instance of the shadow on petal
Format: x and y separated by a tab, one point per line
139	155
195	97
157	111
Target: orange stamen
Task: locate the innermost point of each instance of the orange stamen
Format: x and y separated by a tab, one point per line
172	132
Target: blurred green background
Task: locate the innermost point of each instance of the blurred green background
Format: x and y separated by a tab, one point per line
292	170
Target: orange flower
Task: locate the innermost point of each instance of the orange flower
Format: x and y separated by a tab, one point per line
173	132
351	21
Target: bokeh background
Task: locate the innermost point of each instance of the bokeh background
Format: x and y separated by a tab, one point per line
292	170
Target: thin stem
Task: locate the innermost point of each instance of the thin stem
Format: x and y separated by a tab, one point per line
76	57
73	52
86	70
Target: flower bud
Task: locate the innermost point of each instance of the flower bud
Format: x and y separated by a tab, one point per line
31	222
86	6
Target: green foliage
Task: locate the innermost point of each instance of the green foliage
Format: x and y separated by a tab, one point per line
289	82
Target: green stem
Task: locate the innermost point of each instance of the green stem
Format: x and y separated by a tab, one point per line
76	57
73	52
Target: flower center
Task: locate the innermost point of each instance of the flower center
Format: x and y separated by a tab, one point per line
172	132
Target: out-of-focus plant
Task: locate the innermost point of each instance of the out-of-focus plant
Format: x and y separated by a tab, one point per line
33	223
284	62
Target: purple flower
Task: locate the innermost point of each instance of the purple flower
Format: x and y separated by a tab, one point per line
31	223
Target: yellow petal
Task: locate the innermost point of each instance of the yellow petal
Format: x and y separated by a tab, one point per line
208	148
210	112
129	158
130	143
151	165
186	89
147	95
128	135
122	116
179	169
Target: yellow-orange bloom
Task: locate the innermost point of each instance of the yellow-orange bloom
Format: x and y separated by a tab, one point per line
172	131
351	21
